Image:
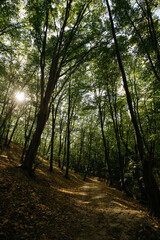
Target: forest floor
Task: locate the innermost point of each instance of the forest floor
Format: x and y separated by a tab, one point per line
51	207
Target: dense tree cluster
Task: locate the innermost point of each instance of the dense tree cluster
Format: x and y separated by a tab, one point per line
90	75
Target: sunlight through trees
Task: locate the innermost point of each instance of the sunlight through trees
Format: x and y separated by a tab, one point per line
80	87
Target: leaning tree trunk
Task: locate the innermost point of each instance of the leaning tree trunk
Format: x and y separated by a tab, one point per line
35	142
7	117
59	57
14	129
150	183
27	137
152	31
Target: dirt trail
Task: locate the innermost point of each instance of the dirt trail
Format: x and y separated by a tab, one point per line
104	213
51	207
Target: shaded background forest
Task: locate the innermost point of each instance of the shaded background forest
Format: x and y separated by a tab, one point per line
61	82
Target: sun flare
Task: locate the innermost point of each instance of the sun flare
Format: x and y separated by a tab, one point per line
20	96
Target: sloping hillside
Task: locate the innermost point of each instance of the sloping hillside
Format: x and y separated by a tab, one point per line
51	207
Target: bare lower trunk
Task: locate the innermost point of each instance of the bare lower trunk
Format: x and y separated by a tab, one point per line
64	154
107	161
3	125
59	152
52	139
32	150
151	188
14	129
68	130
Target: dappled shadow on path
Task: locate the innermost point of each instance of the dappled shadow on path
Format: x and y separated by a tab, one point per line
102	213
51	207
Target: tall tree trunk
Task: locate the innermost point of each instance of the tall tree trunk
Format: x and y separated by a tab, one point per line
59	152
151	186
80	151
59	56
64	154
54	116
45	98
89	156
3	125
6	137
52	139
45	145
140	181
14	129
35	142
60	142
68	130
116	130
27	137
153	32
107	162
6	100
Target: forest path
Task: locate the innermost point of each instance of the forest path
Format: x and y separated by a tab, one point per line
51	207
104	213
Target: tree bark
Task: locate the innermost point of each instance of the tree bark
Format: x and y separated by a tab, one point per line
89	155
14	129
151	186
107	162
60	142
59	56
68	130
80	151
52	138
35	142
64	153
27	137
116	130
3	125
